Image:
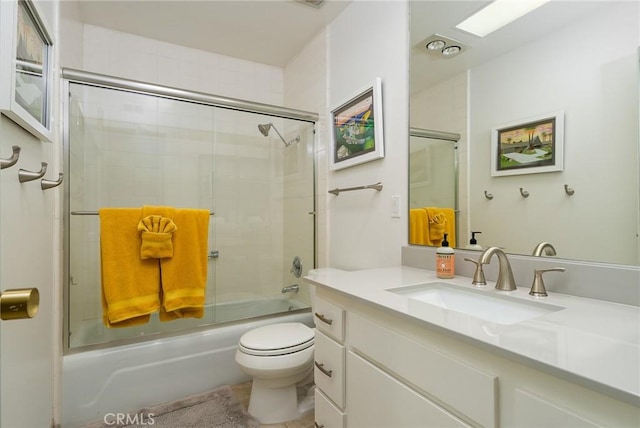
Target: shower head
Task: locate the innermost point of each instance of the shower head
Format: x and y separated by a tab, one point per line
264	129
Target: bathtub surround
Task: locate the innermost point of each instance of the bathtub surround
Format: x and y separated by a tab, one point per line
214	409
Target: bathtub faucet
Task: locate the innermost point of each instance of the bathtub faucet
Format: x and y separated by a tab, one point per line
291	288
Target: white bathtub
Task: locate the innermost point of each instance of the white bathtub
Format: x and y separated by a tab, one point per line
125	378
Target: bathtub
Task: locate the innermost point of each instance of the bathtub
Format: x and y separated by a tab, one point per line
125	378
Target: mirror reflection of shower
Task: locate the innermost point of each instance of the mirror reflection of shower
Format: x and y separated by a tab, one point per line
264	129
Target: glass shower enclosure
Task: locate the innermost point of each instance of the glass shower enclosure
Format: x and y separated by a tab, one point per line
130	144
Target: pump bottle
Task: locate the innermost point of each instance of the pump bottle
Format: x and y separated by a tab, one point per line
445	260
473	243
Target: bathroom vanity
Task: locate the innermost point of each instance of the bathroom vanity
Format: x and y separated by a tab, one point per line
397	347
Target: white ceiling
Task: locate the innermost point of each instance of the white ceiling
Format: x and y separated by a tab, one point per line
265	31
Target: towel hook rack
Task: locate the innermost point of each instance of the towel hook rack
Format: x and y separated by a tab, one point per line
24	175
488	195
49	184
524	193
568	190
377	186
6	163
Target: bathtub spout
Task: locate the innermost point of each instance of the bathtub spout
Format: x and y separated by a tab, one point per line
291	288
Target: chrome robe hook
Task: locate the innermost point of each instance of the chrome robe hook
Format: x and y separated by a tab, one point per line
6	163
24	175
48	184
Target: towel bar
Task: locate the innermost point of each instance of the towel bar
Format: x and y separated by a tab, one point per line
97	213
377	186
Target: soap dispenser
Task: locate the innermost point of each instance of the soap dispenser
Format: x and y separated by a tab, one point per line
445	260
473	243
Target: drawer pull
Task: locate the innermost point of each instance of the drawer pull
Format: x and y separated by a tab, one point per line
323	370
316	425
322	318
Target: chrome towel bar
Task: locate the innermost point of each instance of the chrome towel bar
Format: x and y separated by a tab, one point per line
97	213
377	186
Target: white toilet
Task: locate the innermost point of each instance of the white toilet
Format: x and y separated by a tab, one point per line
279	357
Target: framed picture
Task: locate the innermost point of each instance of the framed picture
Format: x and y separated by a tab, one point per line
528	146
26	67
356	129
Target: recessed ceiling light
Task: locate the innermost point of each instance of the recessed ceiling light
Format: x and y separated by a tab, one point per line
436	45
451	50
498	14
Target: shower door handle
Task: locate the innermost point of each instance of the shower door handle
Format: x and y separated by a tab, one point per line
214	254
20	303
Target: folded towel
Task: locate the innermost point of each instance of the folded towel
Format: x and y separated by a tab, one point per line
441	221
184	276
156	233
418	226
130	285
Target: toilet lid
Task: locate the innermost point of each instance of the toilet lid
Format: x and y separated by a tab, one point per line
277	339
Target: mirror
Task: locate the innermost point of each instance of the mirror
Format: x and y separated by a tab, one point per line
572	60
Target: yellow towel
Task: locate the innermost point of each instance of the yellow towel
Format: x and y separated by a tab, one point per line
184	276
441	221
130	286
418	226
156	232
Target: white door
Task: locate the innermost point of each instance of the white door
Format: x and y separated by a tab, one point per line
27	346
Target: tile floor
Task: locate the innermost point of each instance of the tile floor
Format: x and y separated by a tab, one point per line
243	391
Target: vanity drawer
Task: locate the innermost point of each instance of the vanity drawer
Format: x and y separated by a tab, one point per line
329	318
375	399
326	414
449	380
329	368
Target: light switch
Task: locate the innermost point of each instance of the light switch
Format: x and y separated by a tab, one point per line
395	206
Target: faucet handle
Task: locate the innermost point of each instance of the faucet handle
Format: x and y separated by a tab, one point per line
478	276
537	288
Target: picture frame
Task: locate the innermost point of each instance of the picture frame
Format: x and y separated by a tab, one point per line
26	67
528	146
357	132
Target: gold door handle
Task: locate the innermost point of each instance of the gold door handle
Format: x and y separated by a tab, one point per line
19	303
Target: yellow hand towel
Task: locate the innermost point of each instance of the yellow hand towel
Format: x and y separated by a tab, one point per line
450	225
130	286
437	221
156	233
418	226
441	221
184	276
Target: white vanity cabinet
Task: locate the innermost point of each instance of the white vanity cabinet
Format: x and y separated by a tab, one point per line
329	365
396	371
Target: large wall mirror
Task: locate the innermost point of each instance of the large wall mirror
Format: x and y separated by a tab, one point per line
574	61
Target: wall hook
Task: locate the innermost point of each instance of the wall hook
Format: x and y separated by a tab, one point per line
48	184
24	175
568	190
488	195
6	163
524	193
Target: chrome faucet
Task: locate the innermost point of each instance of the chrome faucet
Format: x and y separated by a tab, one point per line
505	275
545	247
291	288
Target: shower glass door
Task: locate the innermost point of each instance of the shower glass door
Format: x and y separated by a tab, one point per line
129	149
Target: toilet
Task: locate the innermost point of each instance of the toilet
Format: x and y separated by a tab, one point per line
279	357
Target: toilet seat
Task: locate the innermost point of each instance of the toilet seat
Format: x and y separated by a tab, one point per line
276	339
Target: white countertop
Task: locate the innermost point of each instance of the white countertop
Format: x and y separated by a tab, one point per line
591	342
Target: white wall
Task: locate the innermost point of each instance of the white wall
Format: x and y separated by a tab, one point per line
366	41
593	79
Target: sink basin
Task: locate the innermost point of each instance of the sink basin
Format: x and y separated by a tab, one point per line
486	305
